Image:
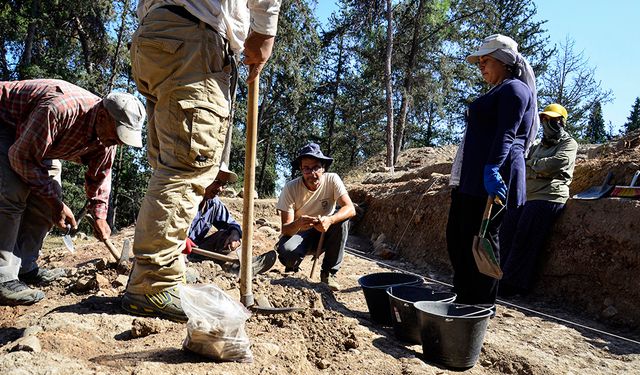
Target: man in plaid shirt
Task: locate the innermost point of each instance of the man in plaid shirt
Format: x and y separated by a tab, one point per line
42	121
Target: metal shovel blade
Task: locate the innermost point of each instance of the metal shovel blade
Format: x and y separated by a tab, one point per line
597	192
68	242
485	258
264	307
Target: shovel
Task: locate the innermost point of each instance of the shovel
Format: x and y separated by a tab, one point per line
260	305
597	192
631	191
121	257
482	250
68	242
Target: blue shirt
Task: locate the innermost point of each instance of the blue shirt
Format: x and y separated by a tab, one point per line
213	213
497	128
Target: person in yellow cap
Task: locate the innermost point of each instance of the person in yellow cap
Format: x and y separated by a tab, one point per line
549	173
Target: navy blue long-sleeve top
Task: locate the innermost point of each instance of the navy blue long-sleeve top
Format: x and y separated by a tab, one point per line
212	213
498	124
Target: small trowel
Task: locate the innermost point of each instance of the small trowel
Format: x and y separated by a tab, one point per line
67	240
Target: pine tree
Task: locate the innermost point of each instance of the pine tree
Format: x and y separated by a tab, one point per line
596	132
633	121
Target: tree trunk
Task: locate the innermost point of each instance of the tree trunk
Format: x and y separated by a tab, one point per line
27	54
266	136
116	54
389	88
336	87
85	43
407	92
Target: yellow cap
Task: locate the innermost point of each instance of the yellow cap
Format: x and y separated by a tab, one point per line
554	110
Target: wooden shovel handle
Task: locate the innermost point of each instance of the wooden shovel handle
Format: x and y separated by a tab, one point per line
485	216
317	254
246	293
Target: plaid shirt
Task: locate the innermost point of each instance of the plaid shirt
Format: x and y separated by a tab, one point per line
54	119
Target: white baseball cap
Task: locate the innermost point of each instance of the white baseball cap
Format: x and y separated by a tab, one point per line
492	43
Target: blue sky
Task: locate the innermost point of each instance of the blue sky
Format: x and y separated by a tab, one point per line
605	31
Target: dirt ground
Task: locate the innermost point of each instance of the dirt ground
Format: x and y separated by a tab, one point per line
80	328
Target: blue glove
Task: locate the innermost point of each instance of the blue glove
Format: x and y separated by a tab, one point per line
493	183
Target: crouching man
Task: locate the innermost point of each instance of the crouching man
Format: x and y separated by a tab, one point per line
307	208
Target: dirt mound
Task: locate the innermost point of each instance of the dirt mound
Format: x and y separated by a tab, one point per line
591	261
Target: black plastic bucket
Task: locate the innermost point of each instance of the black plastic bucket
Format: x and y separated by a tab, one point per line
452	334
375	287
403	314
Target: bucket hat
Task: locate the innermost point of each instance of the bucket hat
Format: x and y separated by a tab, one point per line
492	43
129	114
311	150
225	175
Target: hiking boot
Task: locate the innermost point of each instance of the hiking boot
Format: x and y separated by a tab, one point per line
163	304
41	275
16	292
330	280
261	263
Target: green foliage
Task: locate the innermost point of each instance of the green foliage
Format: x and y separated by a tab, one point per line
595	131
633	121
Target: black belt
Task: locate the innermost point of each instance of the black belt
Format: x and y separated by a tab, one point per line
182	12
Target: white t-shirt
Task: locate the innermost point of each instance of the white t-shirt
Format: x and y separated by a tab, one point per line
299	200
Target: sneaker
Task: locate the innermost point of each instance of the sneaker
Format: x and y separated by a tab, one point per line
41	275
16	292
163	304
330	280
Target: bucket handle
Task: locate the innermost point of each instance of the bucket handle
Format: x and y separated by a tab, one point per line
483	310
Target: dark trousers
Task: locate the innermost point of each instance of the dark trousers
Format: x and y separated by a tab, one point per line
292	250
522	237
465	217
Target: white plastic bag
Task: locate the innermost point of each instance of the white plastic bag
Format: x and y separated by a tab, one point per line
216	324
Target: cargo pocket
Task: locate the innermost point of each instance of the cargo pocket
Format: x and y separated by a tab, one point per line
206	131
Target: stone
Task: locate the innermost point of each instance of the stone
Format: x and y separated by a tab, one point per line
27	344
31	331
191	275
85	283
141	327
102	282
121	281
322	364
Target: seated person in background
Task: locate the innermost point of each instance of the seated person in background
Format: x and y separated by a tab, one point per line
307	206
549	173
213	213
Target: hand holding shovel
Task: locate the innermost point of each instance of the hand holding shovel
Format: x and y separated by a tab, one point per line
482	250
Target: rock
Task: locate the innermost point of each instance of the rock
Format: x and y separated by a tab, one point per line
351	343
102	282
72	271
322	364
120	281
85	283
141	327
31	331
192	275
27	344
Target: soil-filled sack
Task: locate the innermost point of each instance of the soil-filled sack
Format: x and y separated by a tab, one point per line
216	324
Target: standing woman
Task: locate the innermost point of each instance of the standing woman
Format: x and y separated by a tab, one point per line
500	126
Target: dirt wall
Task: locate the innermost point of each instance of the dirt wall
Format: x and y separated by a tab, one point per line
592	259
